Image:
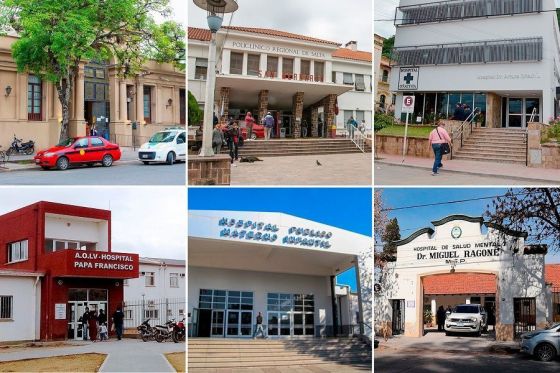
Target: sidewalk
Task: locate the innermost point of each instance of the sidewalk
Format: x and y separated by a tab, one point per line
505	170
128	156
127	355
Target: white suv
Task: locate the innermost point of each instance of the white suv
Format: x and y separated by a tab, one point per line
169	145
466	318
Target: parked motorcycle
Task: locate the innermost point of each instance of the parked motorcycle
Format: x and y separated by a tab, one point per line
179	331
18	147
146	331
164	332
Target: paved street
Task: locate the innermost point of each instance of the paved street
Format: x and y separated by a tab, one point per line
128	355
335	169
121	173
436	353
389	174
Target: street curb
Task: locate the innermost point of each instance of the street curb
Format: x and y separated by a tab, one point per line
466	172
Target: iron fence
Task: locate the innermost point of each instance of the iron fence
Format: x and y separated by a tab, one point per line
524	315
159	311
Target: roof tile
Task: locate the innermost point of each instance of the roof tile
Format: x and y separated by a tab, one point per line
460	283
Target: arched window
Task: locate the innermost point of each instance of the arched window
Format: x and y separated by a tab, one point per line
382	101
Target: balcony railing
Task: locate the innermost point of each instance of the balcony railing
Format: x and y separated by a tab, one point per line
480	52
462	9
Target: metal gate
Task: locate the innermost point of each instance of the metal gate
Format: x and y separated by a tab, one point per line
556	304
524	315
159	311
398	316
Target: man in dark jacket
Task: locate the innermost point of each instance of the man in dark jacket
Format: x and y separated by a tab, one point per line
259	328
440	318
118	318
85	319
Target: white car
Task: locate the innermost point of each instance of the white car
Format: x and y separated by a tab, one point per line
169	146
466	318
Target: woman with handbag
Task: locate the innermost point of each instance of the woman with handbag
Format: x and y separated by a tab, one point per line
441	144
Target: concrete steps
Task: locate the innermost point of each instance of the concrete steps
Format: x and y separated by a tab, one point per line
503	145
275	148
248	353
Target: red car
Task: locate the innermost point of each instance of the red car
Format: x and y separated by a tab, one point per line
79	150
258	132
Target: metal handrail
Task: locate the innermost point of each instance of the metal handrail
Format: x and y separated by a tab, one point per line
469	120
357	137
533	114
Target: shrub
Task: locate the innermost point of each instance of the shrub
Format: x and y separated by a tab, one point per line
381	120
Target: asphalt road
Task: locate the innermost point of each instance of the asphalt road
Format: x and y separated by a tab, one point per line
385	174
121	173
432	361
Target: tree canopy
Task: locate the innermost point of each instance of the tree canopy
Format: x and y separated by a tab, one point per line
388	46
195	113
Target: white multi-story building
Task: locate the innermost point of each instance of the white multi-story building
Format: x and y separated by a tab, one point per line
501	56
303	81
159	292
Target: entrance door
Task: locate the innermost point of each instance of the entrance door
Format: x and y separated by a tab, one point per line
217	323
239	323
204	322
524	315
279	324
490	307
398	316
75	311
286	126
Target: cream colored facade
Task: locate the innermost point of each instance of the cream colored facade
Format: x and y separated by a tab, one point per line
167	91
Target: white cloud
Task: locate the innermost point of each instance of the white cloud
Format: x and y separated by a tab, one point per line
150	221
328	20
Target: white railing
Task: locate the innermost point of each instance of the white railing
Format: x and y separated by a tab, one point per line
533	114
357	137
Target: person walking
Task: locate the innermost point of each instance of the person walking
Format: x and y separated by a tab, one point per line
217	139
440	318
362	126
92	324
234	134
441	144
103	332
85	318
259	328
268	122
249	121
118	318
352	121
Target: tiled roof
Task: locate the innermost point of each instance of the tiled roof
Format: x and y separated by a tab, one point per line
460	283
552	275
199	34
204	34
349	54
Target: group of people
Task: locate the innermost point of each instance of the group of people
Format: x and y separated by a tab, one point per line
228	134
360	127
462	111
95	326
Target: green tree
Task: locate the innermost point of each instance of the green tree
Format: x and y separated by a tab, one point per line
391	234
388	46
195	113
55	36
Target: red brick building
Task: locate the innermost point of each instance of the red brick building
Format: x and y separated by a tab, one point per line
55	260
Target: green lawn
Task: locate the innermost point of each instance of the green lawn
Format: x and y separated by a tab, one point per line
413	131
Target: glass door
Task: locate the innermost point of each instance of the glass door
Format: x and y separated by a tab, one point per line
239	323
515	113
246	325
217	324
232	329
273	324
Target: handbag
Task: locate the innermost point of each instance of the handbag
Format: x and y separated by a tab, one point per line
445	149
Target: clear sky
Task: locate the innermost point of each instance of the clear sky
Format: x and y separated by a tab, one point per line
149	221
346	208
329	20
411	220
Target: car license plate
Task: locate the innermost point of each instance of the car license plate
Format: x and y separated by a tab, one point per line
460	324
144	155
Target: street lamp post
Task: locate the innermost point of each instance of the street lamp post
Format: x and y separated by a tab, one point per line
216	10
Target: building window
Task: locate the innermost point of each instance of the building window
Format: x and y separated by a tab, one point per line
148	104
128	314
6	307
17	251
34	98
347	79
319	71
347	115
385	76
334	76
271	67
253	64
150	278
201	68
236	63
360	115
382	99
394	99
173	280
305	70
287	68
52	245
360	83
151	314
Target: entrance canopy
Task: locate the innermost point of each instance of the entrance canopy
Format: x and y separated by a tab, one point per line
245	90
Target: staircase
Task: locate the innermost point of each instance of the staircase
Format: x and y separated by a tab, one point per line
505	145
286	147
350	353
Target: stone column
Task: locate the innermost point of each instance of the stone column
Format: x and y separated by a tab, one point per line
330	117
139	102
328	72
224	103
315	121
297	109
279	67
245	63
77	127
262	104
123	102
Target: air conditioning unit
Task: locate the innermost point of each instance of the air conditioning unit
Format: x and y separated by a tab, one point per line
142	273
151	303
